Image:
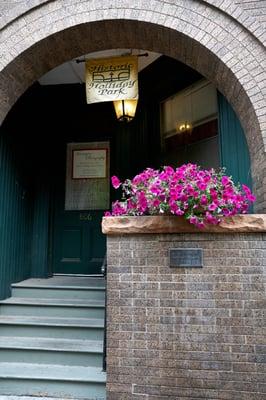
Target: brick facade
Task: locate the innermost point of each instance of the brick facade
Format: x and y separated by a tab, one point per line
186	333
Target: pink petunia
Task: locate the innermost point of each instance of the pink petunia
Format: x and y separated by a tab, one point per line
225	180
212	207
204	200
115	182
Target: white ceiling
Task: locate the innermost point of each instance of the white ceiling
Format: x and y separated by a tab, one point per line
73	72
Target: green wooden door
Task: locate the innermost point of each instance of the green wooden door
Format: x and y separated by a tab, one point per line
78	244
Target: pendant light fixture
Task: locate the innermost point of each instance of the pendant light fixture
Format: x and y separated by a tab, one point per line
125	109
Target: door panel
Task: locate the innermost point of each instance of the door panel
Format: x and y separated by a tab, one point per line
79	245
71	244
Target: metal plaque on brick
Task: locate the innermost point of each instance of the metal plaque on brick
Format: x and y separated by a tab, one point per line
184	258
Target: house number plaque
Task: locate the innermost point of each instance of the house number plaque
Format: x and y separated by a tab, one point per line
184	258
85	217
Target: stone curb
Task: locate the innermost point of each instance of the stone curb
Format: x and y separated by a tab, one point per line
171	224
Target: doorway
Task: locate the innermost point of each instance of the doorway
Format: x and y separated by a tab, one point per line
78	244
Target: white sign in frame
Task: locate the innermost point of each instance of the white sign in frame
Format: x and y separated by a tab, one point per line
89	163
87	193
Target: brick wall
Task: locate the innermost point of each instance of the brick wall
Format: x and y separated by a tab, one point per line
256	8
186	333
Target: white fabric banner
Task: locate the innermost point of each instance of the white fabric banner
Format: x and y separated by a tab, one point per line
110	79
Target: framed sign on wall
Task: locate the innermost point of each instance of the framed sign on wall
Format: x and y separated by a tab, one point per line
89	163
87	176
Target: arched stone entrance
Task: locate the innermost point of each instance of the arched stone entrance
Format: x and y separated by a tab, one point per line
217	41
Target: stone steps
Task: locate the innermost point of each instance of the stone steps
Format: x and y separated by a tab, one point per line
51	341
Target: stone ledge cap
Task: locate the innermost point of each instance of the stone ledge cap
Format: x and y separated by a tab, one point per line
247	223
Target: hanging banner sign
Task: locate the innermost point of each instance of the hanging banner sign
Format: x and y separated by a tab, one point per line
110	79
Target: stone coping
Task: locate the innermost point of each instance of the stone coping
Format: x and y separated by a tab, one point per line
172	224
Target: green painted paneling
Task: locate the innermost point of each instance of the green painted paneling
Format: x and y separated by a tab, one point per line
234	153
132	147
15	220
40	230
24	195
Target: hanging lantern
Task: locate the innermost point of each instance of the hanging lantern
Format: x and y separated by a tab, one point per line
125	109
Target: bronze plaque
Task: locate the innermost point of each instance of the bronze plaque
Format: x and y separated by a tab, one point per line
184	258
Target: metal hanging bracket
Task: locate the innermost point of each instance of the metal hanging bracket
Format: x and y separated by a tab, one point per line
138	55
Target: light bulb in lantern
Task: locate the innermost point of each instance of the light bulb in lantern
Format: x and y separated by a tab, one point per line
125	109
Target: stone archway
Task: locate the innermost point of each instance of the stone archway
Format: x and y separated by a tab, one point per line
215	41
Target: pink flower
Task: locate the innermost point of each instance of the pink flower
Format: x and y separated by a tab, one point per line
226	212
175	209
251	198
115	182
200	225
194	220
118	209
155	190
225	180
210	219
246	189
249	194
212	207
202	185
204	200
156	203
213	193
183	197
130	205
179	212
142	202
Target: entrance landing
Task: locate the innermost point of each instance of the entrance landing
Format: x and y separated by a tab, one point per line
70	281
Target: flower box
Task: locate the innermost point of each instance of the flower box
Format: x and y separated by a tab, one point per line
173	224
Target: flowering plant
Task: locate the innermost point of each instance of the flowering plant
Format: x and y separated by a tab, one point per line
201	196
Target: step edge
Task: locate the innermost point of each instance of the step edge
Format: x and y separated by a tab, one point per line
100	378
11	303
64	340
33	397
84	345
47	379
23	323
47	397
52	349
92	288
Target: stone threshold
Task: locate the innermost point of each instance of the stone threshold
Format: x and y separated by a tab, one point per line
247	223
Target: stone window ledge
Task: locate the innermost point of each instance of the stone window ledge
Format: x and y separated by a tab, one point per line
171	224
